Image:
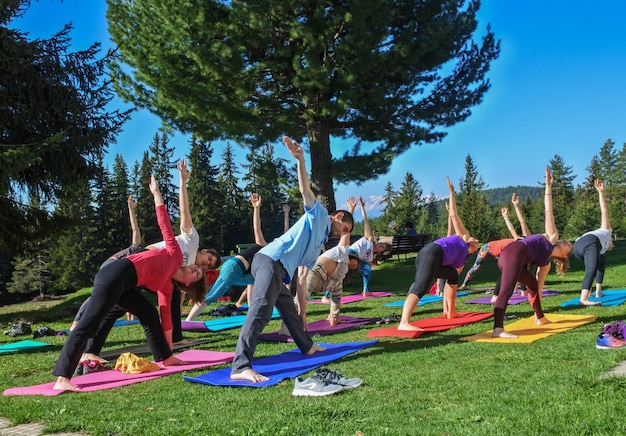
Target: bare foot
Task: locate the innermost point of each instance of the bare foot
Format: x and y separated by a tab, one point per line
250	375
499	332
451	314
599	294
91	356
315	349
325	299
590	303
284	331
183	342
542	321
333	320
493	299
63	384
405	326
173	361
366	294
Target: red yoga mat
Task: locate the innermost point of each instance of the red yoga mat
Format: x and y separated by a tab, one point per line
436	324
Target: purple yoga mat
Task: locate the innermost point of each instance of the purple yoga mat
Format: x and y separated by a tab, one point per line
515	298
321	327
357	297
111	379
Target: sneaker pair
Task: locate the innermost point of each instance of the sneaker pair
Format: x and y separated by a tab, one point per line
324	382
606	342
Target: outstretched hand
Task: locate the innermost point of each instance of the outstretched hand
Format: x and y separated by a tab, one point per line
450	185
351	202
132	204
293	147
154	185
255	200
599	185
549	177
505	212
515	200
182	168
286	207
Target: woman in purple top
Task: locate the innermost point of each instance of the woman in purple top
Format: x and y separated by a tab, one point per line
442	258
533	250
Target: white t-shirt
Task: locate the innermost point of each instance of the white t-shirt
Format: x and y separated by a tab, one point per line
604	235
365	248
189	244
339	254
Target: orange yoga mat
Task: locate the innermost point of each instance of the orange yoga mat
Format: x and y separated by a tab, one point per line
436	324
527	331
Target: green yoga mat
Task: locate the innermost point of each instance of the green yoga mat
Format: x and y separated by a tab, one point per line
21	346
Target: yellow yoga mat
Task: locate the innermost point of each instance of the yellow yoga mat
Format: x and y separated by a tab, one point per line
527	331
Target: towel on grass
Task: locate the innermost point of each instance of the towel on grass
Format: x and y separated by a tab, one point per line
320	327
529	332
282	366
111	379
436	324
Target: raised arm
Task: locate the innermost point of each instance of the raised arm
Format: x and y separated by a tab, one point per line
550	226
308	197
367	230
520	215
459	227
156	193
134	225
286	210
351	205
605	223
450	226
507	221
183	202
256	219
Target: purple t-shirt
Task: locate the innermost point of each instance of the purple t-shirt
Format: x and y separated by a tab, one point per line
454	251
539	249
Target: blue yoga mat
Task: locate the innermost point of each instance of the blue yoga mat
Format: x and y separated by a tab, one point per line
428	298
610	298
123	322
282	366
231	322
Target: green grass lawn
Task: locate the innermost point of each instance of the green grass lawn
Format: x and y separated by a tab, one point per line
432	385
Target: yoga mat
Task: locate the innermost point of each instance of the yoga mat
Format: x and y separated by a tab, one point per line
436	324
21	346
515	298
610	298
144	349
528	331
353	298
231	322
112	379
428	298
320	327
193	326
282	366
123	322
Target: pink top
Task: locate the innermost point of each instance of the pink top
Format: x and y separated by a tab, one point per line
155	268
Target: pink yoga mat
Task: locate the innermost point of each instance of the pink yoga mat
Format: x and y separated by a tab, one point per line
321	327
112	379
357	297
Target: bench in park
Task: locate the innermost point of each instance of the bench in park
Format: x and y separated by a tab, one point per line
406	244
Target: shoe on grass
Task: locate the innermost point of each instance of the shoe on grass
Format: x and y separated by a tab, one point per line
315	387
337	378
606	342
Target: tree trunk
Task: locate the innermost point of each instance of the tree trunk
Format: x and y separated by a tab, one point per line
321	164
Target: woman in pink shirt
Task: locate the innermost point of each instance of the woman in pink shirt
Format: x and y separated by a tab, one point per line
117	283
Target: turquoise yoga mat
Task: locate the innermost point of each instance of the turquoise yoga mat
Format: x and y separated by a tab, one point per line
282	366
231	322
610	298
21	346
429	298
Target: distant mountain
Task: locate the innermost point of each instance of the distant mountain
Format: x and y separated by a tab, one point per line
503	195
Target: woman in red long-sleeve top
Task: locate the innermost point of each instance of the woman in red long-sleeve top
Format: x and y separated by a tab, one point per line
117	283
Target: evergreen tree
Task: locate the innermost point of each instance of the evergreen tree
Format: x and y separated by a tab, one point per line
236	218
266	176
408	202
388	218
162	163
206	200
118	221
395	74
562	193
146	215
54	125
30	275
473	208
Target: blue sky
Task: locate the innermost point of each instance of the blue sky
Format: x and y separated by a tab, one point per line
558	87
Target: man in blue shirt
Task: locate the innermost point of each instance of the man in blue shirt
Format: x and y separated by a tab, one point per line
273	266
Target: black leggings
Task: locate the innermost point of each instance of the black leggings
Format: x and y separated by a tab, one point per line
587	248
428	268
114	284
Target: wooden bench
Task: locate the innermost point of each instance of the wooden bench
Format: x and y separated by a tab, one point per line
406	244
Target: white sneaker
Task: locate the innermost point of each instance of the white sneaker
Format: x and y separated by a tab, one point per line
315	387
336	378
